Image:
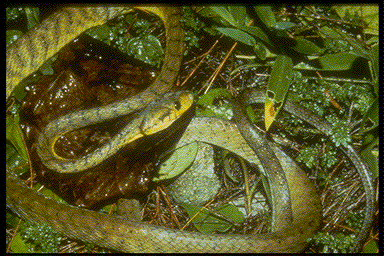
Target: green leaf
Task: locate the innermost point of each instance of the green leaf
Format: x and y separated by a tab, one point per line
266	15
374	61
372	114
371	143
12	36
33	15
278	85
18	245
207	106
328	159
14	160
340	134
306	47
327	32
224	14
261	51
46	69
13	13
257	32
48	193
281	77
103	33
285	25
239	13
369	13
15	136
371	247
254	116
141	26
12	219
337	61
334	243
238	35
308	156
178	162
42	236
146	48
207	222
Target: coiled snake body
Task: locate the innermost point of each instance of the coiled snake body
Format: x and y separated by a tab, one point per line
26	56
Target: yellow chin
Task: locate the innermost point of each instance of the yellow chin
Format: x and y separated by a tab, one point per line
168	113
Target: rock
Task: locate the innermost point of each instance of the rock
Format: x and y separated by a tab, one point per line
199	183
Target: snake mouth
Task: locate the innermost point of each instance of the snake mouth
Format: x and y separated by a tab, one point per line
177	128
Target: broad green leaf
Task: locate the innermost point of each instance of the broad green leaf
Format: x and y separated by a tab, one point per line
328	32
337	61
253	115
374	61
147	49
372	114
304	66
261	51
33	15
266	15
178	162
369	13
374	67
257	32
207	222
278	85
239	13
306	47
371	143
371	247
12	219
103	33
207	106
12	36
140	26
285	25
15	136
18	245
209	98
48	193
19	92
46	68
231	212
224	14
238	35
14	160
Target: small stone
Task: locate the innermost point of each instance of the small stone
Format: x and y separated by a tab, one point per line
199	183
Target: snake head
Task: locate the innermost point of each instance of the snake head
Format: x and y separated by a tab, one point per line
161	113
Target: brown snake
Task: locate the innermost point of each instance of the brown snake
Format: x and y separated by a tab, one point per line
28	54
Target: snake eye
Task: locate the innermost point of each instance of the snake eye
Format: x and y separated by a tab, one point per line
177	104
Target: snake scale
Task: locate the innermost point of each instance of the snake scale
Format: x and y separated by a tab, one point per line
157	115
121	234
27	55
